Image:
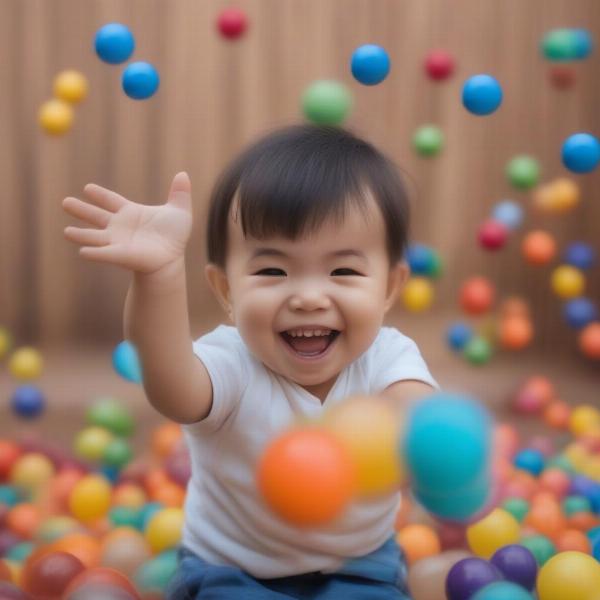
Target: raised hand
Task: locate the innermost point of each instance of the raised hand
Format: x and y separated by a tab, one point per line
134	236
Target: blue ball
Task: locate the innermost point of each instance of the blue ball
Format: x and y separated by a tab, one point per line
581	153
583	43
9	495
28	401
420	259
458	335
147	512
126	362
502	590
580	255
370	64
140	80
509	213
578	312
114	43
482	94
517	564
530	460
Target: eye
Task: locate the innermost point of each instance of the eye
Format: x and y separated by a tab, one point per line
345	272
269	272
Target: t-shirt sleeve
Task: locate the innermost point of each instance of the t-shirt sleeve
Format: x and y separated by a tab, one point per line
396	357
221	352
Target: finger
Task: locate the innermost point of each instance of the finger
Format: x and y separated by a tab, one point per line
180	194
104	198
87	237
86	212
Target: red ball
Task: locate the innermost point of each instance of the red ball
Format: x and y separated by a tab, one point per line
102	576
9	453
492	235
562	77
232	23
477	295
439	65
48	576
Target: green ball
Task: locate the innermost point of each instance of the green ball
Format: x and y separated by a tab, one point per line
154	575
125	516
540	546
560	45
326	102
111	415
517	507
428	140
478	351
576	504
523	172
19	552
436	266
117	453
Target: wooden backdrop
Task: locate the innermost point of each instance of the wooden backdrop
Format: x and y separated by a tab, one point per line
215	96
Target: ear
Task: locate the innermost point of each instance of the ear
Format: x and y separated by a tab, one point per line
398	276
219	284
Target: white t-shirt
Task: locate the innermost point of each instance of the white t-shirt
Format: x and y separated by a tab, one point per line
226	520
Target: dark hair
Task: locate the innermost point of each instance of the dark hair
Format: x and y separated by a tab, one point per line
292	180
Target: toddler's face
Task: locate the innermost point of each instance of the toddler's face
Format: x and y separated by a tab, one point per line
275	286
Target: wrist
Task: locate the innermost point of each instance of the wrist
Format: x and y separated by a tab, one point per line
163	278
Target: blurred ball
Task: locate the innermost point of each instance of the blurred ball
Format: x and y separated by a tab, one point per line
580	255
90	498
28	401
417	294
478	351
509	213
140	80
514	306
468	576
91	443
9	453
584	418
538	247
100	583
439	65
418	542
126	362
56	116
523	172
125	550
421	259
166	438
481	95
583	42
370	64
492	235
25	364
562	77
571	575
48	576
232	23
499	528
114	43
502	590
32	471
579	312
5	342
326	102
530	460
111	415
155	575
117	453
589	341
567	282
164	529
428	140
458	335
516	333
476	295
559	45
540	546
581	153
70	86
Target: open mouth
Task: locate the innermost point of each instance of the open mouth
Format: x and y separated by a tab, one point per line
310	347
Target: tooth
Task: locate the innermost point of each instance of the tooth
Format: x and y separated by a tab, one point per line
308	333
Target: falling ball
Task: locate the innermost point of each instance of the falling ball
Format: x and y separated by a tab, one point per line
538	247
25	364
581	153
326	102
114	43
417	294
482	95
28	401
439	65
523	172
476	295
232	23
70	86
428	140
126	362
509	213
370	64
55	116
140	80
492	235
567	282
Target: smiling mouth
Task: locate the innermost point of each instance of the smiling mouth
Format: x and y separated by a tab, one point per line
310	347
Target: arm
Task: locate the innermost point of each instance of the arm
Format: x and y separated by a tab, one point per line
403	395
150	241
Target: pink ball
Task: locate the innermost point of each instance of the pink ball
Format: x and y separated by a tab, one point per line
439	65
506	440
556	481
492	235
232	23
542	443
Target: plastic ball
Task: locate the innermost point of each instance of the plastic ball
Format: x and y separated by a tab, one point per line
25	364
369	430
571	575
575	504
307	476
126	362
540	546
581	153
514	306
428	140
232	23
579	312
32	471
589	341
523	172
91	443
565	195
556	481
48	577
499	528
9	453
517	507
580	255
110	582
567	282
583	42
481	95
70	86
90	498
117	453
562	77
458	335
478	351
556	414
125	550
326	102
476	295
114	43
56	116
509	213
584	418
492	235
111	415
165	439
164	529
155	575
530	460
28	401
559	45
439	65
370	64
417	294
502	590
140	80
418	542
516	333
538	247
420	259
468	576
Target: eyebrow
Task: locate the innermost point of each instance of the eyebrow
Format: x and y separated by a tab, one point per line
275	252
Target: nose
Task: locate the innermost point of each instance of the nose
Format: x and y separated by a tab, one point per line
309	298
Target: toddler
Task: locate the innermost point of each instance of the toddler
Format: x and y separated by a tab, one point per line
305	238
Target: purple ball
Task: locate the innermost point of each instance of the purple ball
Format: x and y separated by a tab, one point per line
178	467
583	486
469	575
12	592
7	540
517	564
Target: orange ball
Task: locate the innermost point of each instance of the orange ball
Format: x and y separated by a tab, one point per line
573	539
62	485
165	439
24	519
5	572
155	479
418	541
583	521
307	476
9	453
589	341
540	386
84	547
557	415
477	295
129	494
538	247
547	519
170	494
514	306
516	333
556	481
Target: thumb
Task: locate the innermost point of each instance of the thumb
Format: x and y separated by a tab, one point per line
180	194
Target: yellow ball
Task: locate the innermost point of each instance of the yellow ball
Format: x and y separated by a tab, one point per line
370	431
164	529
91	442
584	418
90	498
567	281
26	364
569	576
56	116
32	471
5	342
565	195
70	86
499	528
417	294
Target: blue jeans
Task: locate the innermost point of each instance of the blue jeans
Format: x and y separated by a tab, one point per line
380	575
